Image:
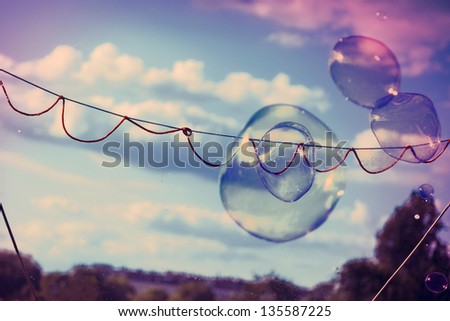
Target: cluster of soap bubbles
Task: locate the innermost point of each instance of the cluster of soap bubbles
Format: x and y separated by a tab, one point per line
277	186
368	74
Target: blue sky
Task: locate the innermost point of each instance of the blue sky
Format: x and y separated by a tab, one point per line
209	65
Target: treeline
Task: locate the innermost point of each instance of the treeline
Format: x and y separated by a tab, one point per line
358	279
105	283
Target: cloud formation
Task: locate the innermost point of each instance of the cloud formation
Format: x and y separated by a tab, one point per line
106	63
287	39
412	29
106	67
55	65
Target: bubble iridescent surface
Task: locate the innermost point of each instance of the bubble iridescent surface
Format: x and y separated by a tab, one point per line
365	71
426	192
436	282
258	211
408	119
282	167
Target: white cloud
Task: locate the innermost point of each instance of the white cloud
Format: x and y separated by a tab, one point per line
187	73
55	203
34	229
29	100
105	62
6	62
51	67
359	213
402	174
137	212
237	86
190	74
372	159
150	107
75	120
281	91
102	101
365	139
287	39
201	114
405	25
356	215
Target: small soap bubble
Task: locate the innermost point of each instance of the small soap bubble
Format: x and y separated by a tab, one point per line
436	282
426	191
381	15
417	216
283	168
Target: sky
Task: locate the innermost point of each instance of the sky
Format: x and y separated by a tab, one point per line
210	66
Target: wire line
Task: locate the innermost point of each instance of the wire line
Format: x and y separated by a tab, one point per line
188	132
412	251
16	248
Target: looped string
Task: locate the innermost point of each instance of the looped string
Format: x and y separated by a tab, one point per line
188	133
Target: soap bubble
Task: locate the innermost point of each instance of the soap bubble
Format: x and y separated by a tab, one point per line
282	166
253	207
408	119
381	15
365	71
426	192
436	282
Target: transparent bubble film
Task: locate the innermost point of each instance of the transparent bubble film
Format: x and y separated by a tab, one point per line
285	155
436	282
426	192
408	119
365	71
252	205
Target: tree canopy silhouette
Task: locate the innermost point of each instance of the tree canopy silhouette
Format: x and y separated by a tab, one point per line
358	279
13	284
362	278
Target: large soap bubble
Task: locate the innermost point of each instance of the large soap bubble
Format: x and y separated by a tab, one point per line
285	154
408	119
365	71
253	207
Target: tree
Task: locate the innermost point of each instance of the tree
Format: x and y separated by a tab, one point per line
361	279
270	288
13	284
320	292
85	283
152	294
193	291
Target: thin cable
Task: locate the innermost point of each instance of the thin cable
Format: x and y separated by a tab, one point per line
174	127
16	248
188	132
412	252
